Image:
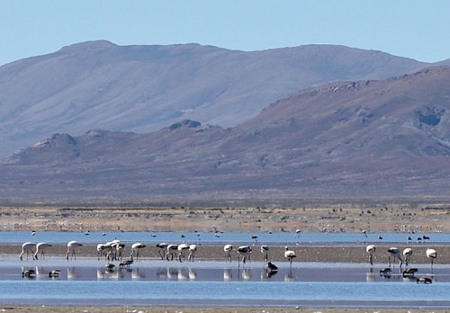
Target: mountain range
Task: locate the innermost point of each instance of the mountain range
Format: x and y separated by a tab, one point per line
366	138
99	85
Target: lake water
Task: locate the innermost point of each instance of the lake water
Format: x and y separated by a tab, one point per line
220	283
155	282
221	238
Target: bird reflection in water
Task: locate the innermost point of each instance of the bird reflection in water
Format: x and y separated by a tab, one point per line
289	276
227	274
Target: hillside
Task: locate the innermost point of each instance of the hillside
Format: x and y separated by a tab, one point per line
367	138
99	85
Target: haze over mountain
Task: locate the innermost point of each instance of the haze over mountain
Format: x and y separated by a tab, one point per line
368	138
99	85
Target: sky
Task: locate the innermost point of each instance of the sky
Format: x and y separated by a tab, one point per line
417	29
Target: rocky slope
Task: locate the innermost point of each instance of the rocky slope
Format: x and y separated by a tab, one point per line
367	138
99	85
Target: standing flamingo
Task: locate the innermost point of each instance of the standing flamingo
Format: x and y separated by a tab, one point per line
244	251
290	255
161	247
431	254
265	251
135	248
181	248
395	253
40	248
407	252
28	248
227	249
192	251
71	246
370	249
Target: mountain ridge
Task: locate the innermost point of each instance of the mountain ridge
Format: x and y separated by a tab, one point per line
367	138
144	88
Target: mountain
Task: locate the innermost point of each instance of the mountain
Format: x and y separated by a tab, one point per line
99	85
367	138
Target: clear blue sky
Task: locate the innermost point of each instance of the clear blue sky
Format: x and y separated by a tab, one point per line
418	29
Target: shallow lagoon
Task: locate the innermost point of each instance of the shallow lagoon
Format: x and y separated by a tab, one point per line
217	283
221	238
220	283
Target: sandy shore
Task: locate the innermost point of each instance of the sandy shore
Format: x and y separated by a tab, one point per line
339	218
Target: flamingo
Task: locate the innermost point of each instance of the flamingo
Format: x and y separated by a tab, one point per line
161	246
227	249
40	247
135	248
245	252
192	251
181	248
431	254
290	255
28	248
170	249
395	253
71	245
407	252
265	251
370	249
101	247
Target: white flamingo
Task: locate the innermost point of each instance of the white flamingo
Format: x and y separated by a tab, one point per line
370	249
135	249
265	251
244	251
431	254
71	246
170	250
290	255
28	248
394	252
407	252
40	248
162	246
181	248
227	249
192	251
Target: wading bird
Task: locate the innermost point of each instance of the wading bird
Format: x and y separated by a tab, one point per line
431	254
244	251
370	249
407	253
135	249
265	252
394	253
227	249
192	251
162	246
290	255
40	248
71	246
28	248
